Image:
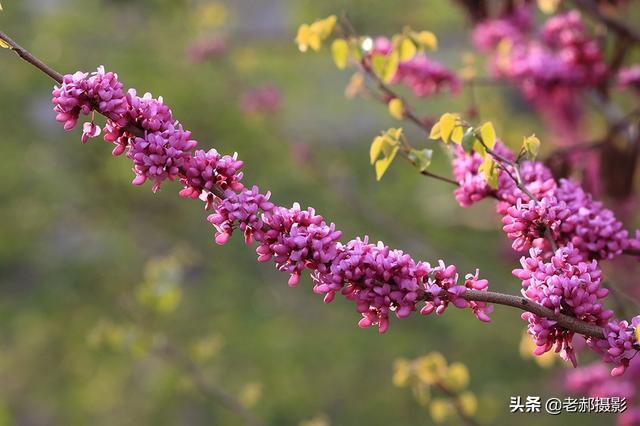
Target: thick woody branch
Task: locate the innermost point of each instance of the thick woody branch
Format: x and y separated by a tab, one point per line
565	321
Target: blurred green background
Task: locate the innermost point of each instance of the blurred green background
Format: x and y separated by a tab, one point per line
95	273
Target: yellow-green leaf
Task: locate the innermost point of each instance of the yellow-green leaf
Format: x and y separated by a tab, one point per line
327	26
440	410
383	164
391	66
396	108
435	133
389	145
479	148
488	134
427	39
302	38
407	49
469	403
4	45
548	6
457	134
340	52
447	122
531	146
401	372
395	133
457	376
490	171
378	64
376	148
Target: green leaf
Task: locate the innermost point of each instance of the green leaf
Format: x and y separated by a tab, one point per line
407	49
383	164
457	134
421	158
376	148
490	171
435	133
531	146
488	134
479	148
391	66
447	122
340	52
426	39
468	140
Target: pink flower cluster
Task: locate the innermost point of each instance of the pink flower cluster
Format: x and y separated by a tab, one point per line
591	228
242	210
266	99
489	33
565	209
567	280
595	381
551	67
208	170
530	223
206	49
381	280
144	127
378	279
619	346
473	186
564	55
423	75
81	93
564	284
297	240
629	78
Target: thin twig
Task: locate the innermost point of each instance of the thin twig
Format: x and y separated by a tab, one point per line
208	389
466	417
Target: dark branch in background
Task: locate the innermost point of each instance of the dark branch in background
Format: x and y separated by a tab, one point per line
570	323
207	389
466	418
591	8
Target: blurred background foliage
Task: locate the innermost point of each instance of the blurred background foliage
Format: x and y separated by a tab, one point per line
97	275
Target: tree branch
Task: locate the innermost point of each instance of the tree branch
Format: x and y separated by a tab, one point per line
27	56
207	389
591	8
565	321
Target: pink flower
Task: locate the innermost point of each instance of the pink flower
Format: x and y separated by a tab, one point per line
89	130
